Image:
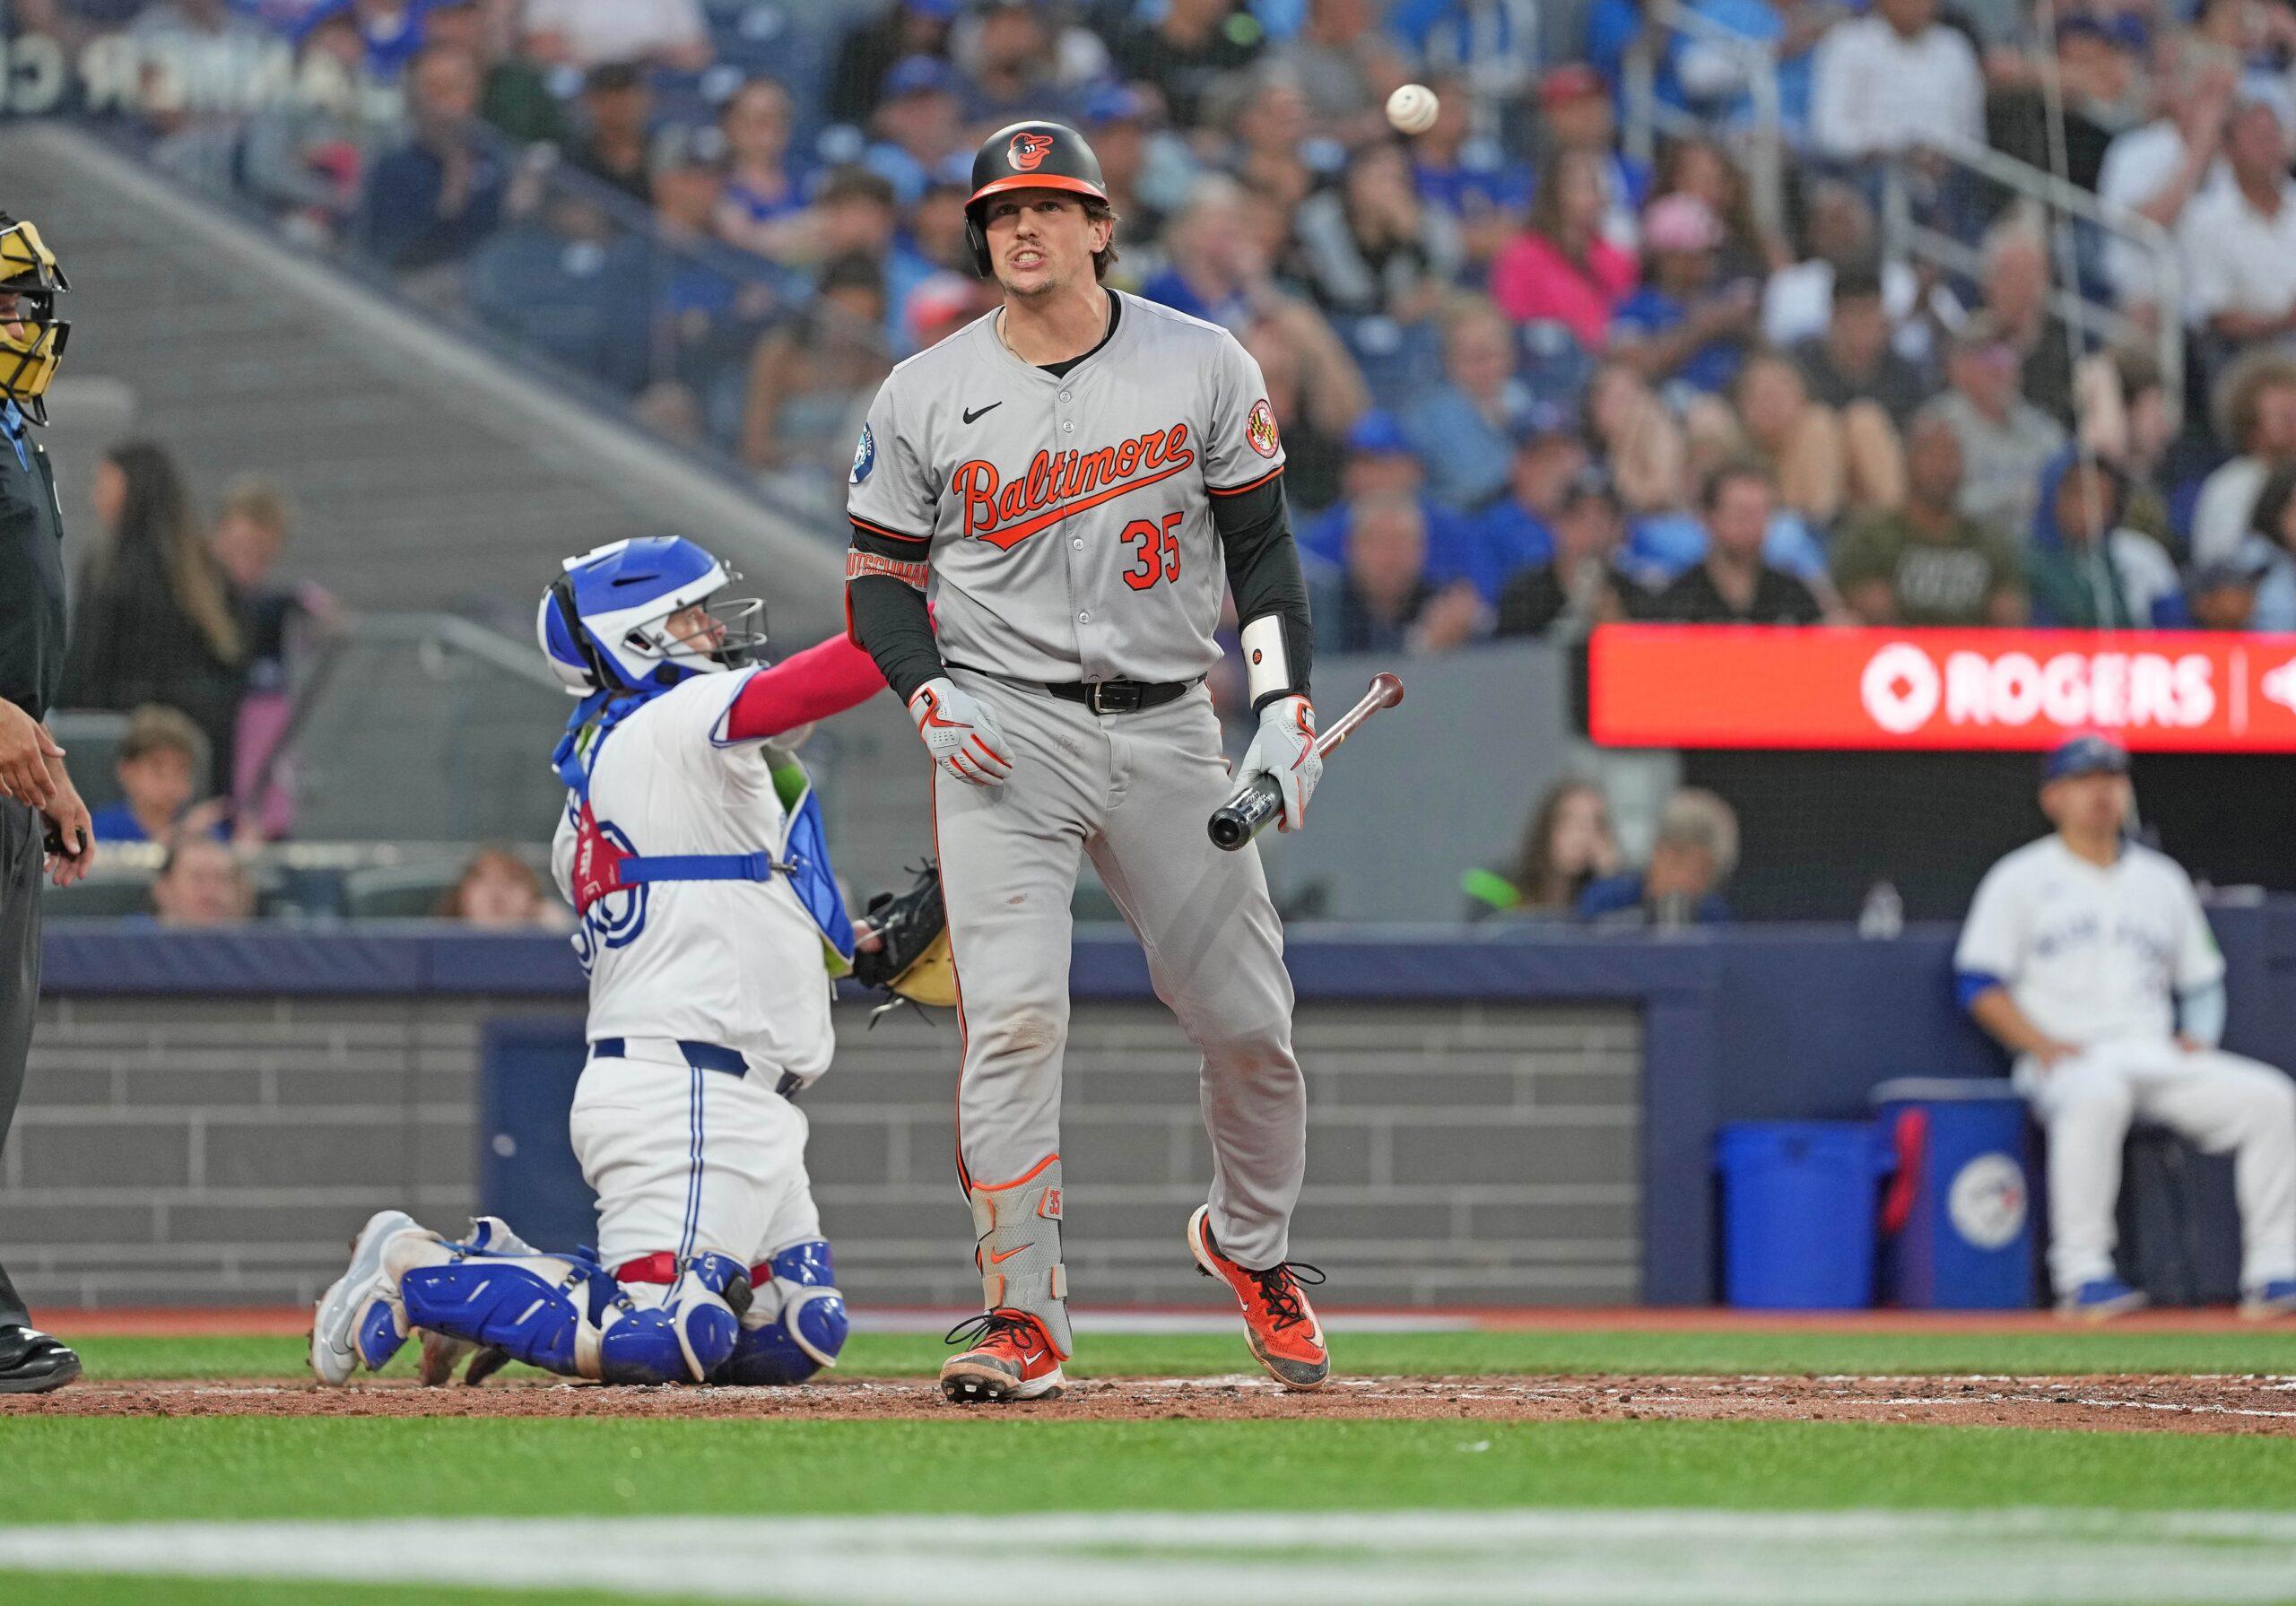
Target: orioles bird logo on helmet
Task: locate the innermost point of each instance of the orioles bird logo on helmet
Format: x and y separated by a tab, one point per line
1027	151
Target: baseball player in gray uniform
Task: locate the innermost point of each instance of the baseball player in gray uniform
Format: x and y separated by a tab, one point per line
1072	480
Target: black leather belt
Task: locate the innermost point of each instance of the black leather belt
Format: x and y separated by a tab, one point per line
1119	696
703	1056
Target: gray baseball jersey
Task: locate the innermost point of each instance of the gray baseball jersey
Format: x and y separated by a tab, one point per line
1069	526
1069	519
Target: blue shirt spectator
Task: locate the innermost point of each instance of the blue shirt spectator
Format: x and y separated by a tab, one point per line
1625	899
435	198
1517	530
918	128
1692	856
393	37
1464	430
1679	328
1381	462
158	766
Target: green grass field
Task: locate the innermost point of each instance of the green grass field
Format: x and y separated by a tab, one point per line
502	1510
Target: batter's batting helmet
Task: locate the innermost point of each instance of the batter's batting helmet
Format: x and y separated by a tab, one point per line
1028	156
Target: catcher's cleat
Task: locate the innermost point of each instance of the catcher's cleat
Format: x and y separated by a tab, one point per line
1010	1359
1278	1322
359	1322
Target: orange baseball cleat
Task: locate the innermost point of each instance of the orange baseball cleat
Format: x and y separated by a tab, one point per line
1010	1359
1278	1322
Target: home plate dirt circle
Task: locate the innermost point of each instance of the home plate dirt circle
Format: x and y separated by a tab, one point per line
2185	1404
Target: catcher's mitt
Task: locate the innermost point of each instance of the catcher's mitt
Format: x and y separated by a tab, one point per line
913	960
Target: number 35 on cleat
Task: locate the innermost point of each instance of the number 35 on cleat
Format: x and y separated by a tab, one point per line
1159	555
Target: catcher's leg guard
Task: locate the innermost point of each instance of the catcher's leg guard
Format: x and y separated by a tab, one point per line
1017	1226
443	1352
686	1337
565	1314
796	1323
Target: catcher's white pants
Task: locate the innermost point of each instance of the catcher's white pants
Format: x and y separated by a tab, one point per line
687	1161
2222	1102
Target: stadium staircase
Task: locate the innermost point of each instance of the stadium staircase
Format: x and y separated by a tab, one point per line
431	469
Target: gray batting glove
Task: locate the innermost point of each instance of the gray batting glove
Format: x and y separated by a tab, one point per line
1285	751
960	733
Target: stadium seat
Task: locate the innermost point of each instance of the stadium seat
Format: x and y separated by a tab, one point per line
93	737
103	896
398	891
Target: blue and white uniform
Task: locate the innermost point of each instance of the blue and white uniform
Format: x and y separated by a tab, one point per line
711	927
2107	957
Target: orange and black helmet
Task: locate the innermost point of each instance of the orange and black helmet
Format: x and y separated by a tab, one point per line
1034	155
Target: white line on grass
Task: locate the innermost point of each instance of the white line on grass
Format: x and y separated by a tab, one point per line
1585	1558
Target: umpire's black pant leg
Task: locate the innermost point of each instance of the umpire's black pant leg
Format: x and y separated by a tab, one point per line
20	880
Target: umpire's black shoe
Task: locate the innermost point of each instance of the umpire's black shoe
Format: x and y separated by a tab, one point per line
32	1362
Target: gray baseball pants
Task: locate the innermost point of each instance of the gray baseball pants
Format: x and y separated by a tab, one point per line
1133	791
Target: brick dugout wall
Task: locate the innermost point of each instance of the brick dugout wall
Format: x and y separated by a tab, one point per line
221	1151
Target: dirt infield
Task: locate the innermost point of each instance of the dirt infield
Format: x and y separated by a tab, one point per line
2222	1405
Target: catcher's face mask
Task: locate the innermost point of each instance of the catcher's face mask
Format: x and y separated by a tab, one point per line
31	337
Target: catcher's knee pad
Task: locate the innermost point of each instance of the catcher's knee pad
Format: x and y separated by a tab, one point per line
1016	1229
688	1336
797	1324
541	1309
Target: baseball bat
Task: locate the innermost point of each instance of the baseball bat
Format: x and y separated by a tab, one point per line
1260	800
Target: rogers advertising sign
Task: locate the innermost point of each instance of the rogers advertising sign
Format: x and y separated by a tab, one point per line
1720	686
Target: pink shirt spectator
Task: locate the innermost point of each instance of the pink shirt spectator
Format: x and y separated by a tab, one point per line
1532	279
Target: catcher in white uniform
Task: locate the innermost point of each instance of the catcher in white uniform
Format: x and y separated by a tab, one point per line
2089	957
711	928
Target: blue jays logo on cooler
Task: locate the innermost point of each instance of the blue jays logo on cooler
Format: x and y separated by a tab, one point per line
1987	1200
864	456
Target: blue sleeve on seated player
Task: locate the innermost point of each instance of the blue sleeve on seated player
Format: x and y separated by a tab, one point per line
1970	985
2200	1013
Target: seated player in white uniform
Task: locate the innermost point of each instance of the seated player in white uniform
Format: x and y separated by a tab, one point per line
2088	957
711	929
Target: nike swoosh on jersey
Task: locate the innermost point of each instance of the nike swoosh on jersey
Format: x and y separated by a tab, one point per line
970	414
996	1259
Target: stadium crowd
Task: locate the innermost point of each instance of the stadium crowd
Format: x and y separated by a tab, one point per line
1525	382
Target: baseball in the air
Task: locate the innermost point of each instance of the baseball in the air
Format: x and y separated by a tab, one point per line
1411	109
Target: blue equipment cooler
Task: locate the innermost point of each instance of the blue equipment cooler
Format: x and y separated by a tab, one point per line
1799	1201
1957	1226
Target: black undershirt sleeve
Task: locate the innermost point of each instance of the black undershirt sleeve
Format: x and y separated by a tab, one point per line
885	609
1264	572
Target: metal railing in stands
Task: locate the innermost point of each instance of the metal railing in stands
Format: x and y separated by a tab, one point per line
1905	235
424	727
1759	146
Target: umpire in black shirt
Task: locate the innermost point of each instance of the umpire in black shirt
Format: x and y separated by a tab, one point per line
43	824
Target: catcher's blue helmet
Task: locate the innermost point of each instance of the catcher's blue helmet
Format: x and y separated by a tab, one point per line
604	623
